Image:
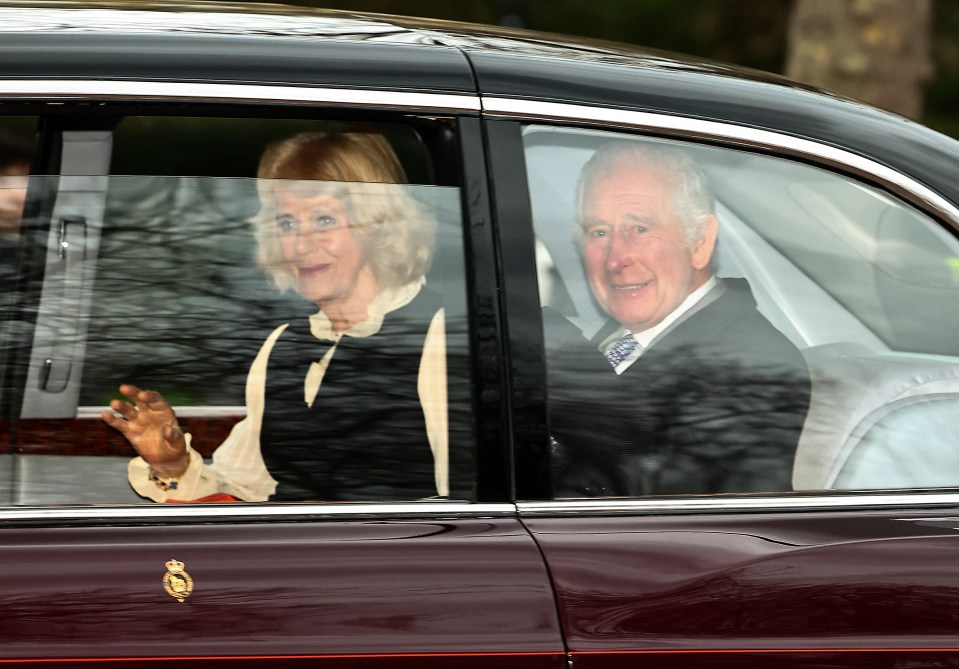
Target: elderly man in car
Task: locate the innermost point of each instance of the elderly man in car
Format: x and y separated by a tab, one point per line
687	388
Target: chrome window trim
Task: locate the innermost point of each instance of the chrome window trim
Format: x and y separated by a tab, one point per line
251	512
260	512
195	411
61	89
824	154
795	502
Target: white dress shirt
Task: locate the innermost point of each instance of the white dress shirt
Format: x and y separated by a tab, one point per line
646	337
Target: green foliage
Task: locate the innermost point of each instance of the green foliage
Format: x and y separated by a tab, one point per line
942	96
746	32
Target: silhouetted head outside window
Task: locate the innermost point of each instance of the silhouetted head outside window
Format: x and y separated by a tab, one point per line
16	154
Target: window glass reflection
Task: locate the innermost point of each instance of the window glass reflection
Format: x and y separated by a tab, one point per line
718	322
182	305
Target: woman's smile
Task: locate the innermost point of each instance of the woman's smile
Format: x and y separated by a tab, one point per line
310	271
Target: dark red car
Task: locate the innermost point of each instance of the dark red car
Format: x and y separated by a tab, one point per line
812	521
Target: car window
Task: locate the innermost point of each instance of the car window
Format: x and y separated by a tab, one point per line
718	321
168	265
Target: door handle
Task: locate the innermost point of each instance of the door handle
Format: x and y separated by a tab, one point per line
71	251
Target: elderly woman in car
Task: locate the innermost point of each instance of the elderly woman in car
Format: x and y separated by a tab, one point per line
349	404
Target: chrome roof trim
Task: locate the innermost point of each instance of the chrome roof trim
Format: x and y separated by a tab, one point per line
99	89
249	512
825	154
797	502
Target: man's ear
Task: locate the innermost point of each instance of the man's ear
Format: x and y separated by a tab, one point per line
703	249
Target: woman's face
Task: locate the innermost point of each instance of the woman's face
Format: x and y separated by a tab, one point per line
323	255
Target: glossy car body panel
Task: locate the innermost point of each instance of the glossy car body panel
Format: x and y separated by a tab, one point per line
494	470
314	48
379	588
321	661
528	380
659	588
236	60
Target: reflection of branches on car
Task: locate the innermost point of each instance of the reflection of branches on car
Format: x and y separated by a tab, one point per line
741	415
696	421
738	598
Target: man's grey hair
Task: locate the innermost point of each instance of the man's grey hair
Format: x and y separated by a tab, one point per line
693	198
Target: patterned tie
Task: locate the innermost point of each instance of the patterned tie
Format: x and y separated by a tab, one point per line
621	350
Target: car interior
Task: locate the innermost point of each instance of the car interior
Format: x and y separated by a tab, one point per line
149	277
148	274
864	285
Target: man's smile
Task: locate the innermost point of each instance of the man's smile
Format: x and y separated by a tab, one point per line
629	287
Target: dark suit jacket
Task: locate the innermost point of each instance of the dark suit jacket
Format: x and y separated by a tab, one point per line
715	404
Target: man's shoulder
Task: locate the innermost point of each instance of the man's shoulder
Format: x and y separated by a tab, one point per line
733	323
568	351
735	308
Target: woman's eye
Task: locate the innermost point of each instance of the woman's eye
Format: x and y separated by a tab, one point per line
323	222
285	224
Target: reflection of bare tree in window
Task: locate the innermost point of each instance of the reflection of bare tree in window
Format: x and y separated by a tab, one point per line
179	303
696	421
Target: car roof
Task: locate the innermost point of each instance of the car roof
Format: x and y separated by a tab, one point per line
258	43
275	43
224	43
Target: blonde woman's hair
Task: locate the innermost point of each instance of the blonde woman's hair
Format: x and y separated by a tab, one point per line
394	230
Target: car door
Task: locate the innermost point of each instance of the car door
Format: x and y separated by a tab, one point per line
136	263
850	564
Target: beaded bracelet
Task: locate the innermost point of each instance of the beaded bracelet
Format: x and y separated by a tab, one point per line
168	483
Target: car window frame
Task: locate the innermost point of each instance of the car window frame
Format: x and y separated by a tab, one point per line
508	116
492	487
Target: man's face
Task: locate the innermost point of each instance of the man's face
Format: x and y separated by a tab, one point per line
639	265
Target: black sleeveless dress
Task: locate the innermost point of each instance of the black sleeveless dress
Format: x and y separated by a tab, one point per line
365	436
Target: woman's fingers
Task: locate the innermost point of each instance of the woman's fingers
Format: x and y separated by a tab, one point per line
144	399
113	420
145	414
124	409
141	401
130	391
151	400
149	424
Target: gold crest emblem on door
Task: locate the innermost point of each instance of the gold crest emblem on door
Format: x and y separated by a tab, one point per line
176	581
